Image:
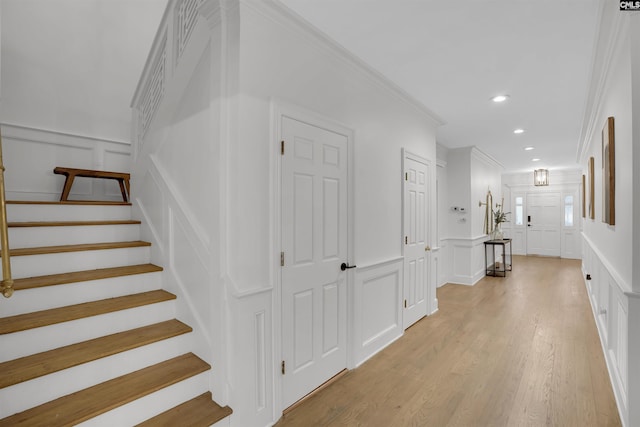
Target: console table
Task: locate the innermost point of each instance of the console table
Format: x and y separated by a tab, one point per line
490	258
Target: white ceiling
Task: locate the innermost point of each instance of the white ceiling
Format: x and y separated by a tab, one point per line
453	56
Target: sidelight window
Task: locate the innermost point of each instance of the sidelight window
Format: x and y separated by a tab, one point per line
568	211
519	216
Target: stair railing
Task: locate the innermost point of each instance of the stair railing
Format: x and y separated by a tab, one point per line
6	286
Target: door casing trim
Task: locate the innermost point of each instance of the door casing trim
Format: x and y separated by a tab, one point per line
279	109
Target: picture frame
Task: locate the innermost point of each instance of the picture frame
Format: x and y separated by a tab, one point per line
592	208
584	195
608	173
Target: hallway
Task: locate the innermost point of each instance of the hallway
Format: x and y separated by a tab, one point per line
520	351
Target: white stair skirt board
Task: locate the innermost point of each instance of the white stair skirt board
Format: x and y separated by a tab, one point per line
49	387
37	299
25	237
45	264
32	212
24	343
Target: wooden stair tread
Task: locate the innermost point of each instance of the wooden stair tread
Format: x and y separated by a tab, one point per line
75	248
85	404
69	202
201	411
71	223
83	276
36	365
52	316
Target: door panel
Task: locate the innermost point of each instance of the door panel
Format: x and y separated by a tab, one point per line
314	242
415	253
543	224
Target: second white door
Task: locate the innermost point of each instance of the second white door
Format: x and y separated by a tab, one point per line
416	250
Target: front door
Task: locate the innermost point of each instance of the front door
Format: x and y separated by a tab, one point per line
416	250
543	224
314	245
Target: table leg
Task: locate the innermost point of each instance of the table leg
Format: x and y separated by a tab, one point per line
66	189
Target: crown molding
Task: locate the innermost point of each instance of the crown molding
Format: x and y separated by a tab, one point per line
612	28
485	158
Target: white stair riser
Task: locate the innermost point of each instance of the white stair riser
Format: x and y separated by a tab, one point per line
25	343
225	422
153	404
45	264
27	237
20	397
37	299
32	212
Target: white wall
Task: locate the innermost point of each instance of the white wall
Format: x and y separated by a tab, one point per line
276	62
207	172
614	241
71	65
30	155
175	179
283	63
610	253
459	193
470	174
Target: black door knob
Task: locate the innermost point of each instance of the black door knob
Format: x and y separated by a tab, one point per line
344	266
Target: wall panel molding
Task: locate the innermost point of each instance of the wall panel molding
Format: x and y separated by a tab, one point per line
613	310
31	154
377	308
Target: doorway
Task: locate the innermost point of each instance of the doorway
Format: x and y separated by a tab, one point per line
416	228
543	223
314	230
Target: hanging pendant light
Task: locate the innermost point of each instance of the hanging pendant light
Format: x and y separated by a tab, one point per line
541	177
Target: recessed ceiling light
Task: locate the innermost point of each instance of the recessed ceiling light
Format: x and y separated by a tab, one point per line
518	131
528	148
535	160
500	98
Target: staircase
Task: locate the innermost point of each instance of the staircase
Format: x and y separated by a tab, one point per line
89	336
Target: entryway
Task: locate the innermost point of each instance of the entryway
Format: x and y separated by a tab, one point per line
416	229
543	223
314	228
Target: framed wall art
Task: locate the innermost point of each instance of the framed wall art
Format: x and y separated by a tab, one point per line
592	208
584	194
608	173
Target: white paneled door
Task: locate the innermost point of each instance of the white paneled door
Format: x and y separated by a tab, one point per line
314	245
543	224
416	250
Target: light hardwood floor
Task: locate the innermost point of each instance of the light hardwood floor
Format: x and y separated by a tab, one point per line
515	351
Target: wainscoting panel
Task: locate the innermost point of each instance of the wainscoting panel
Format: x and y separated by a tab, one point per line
189	268
610	300
27	150
467	260
460	262
116	161
252	364
377	308
570	245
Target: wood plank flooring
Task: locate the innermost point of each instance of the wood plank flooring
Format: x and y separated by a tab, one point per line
516	351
